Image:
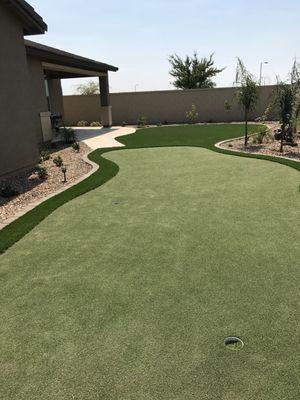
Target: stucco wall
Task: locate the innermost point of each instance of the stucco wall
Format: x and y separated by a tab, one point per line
18	126
160	106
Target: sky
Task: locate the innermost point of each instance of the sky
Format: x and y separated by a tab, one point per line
138	36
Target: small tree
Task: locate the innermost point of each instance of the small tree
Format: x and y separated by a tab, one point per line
286	102
192	72
88	88
192	115
247	93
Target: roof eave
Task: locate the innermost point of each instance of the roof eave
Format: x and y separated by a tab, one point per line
61	59
33	22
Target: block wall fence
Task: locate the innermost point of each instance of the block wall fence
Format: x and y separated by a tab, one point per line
161	106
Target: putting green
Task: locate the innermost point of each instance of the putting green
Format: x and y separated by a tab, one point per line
133	299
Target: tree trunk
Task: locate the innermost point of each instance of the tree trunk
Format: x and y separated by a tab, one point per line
246	128
281	140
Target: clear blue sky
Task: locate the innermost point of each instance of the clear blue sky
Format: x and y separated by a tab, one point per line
139	35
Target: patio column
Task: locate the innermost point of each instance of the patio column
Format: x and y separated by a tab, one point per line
106	117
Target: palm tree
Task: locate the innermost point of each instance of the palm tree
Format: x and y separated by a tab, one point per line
247	93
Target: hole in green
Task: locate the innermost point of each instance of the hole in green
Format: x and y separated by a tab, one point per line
234	343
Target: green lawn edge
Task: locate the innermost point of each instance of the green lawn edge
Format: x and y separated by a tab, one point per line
16	230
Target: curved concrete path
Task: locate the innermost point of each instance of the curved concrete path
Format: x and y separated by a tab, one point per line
97	138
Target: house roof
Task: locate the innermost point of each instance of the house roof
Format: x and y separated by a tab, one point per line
33	23
59	57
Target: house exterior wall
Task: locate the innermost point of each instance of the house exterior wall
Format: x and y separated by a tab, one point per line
160	106
18	126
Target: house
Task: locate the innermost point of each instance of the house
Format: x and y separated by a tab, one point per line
30	91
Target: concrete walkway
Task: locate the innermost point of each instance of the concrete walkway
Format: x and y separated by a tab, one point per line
97	138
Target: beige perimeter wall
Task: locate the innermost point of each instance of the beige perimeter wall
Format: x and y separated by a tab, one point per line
161	106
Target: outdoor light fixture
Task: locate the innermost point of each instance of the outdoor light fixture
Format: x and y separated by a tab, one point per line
64	171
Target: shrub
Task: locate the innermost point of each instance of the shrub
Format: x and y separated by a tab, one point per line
124	123
82	123
95	124
142	121
68	134
6	190
45	155
76	146
192	115
259	138
41	172
262	135
58	161
227	105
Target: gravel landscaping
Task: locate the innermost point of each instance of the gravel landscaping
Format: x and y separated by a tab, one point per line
31	188
269	146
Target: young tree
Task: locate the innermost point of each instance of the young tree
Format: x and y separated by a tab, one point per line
247	93
287	104
192	72
88	88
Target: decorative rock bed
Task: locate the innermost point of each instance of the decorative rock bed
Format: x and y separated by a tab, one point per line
269	146
31	188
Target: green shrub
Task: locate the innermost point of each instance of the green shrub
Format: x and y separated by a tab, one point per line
58	161
68	135
41	172
76	146
262	135
44	156
95	124
6	190
82	123
227	105
192	115
142	121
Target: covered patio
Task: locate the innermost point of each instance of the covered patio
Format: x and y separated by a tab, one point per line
56	65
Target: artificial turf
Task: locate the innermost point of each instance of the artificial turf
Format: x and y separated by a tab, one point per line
129	291
199	135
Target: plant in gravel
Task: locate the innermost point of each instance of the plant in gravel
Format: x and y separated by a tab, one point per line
76	147
192	115
95	124
246	93
82	123
286	101
41	172
259	137
142	121
58	161
68	135
6	190
45	156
